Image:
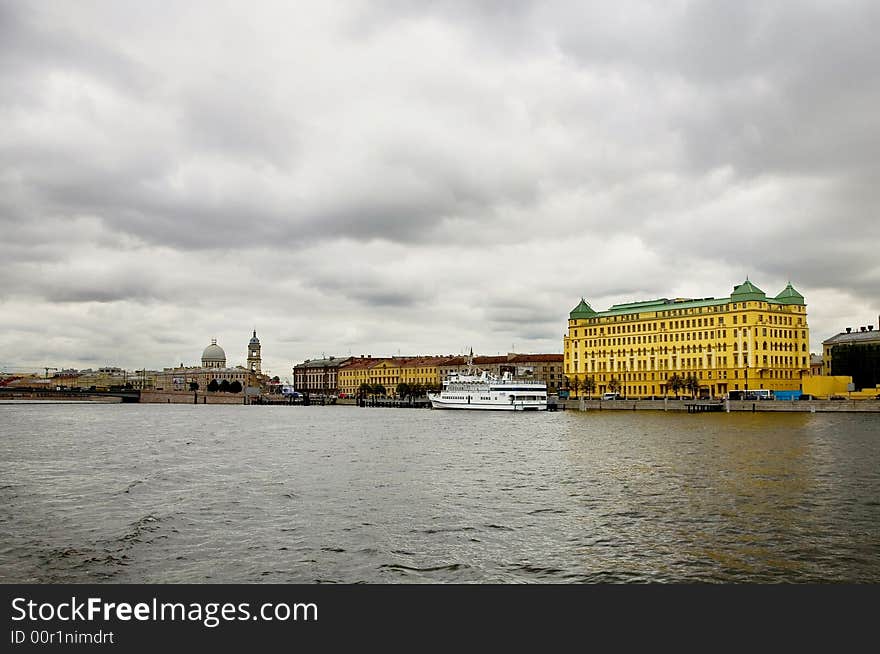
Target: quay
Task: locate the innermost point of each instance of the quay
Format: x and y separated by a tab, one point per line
752	406
45	396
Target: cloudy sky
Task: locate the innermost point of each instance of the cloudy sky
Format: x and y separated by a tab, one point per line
403	176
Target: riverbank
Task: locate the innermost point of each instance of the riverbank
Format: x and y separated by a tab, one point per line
772	406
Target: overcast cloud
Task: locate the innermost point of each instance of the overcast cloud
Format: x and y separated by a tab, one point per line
422	178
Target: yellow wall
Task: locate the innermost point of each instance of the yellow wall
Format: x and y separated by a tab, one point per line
643	347
826	385
351	377
420	371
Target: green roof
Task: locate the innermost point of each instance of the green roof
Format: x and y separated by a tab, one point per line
789	295
747	291
639	305
582	310
744	292
663	305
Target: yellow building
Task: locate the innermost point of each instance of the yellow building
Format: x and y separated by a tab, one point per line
354	373
422	370
743	342
389	372
386	373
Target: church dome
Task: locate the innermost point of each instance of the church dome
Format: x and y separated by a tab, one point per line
213	354
254	340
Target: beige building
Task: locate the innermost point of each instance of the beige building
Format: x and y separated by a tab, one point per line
213	373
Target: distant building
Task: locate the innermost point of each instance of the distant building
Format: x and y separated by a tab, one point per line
854	353
318	376
816	365
356	371
105	379
214	372
429	372
540	367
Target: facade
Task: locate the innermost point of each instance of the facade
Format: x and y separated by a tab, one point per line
422	371
746	341
389	372
855	354
318	376
354	372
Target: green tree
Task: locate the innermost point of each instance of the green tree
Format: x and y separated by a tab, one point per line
574	385
692	384
589	386
365	389
403	389
614	385
675	383
214	386
194	386
235	387
379	389
224	386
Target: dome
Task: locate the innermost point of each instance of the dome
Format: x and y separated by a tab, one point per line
213	353
254	340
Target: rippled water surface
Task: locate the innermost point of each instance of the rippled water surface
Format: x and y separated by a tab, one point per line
153	493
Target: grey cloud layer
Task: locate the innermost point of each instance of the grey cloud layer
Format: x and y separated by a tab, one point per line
402	167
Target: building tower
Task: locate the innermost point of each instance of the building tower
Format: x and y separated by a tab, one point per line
253	359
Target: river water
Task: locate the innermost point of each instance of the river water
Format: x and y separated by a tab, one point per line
202	494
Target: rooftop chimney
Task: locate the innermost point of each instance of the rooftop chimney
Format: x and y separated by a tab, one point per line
870	328
848	330
861	329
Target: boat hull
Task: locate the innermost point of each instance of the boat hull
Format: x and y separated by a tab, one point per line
438	403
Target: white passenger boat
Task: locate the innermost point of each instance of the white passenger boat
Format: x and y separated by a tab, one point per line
480	390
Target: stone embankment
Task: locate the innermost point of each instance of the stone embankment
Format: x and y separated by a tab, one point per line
801	406
49	397
191	397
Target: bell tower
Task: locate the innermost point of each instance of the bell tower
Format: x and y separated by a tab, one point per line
253	358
